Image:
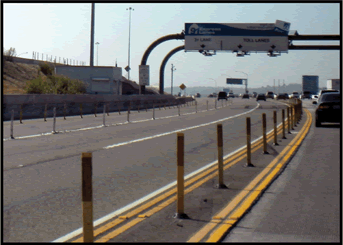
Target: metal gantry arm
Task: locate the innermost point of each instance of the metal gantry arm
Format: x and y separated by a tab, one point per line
153	45
163	65
181	36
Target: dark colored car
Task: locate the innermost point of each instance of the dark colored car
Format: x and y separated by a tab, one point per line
222	96
231	95
270	95
210	96
261	97
306	95
197	95
282	96
245	96
326	91
329	108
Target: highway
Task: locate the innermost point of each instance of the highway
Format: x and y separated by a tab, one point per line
42	171
303	203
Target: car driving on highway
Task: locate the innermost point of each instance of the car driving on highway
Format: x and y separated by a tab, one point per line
261	97
270	95
282	96
323	91
222	95
294	95
329	108
245	96
306	95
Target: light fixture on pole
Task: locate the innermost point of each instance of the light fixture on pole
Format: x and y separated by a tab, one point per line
172	70
97	53
246	84
128	66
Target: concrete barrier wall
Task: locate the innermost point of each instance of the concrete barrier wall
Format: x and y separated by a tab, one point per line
33	105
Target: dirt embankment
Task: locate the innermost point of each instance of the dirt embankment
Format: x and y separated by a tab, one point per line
15	76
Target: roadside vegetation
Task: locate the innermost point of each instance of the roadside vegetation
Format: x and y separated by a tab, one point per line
54	84
20	78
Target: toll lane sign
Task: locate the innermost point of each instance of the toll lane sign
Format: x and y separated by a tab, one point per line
237	36
144	75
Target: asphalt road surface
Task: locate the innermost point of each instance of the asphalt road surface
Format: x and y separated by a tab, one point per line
303	203
42	173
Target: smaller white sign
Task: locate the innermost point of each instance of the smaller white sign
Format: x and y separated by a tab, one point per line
144	75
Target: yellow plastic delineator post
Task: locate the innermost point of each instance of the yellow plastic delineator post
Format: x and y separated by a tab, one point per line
180	212
220	156
283	124
248	125
275	129
264	132
87	197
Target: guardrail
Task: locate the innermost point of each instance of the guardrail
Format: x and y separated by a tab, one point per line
94	108
41	106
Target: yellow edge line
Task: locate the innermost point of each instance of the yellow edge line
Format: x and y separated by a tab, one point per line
201	233
168	202
217	235
136	211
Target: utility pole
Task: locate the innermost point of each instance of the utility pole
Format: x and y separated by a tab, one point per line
92	36
128	66
172	70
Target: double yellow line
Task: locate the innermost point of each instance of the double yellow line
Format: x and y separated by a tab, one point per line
229	215
191	184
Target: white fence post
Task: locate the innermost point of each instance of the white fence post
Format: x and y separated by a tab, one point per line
12	119
103	118
54	122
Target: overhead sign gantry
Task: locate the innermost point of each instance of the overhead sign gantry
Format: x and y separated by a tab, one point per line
272	39
237	37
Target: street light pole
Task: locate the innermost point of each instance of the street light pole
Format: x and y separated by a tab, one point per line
92	36
128	72
246	84
97	53
172	70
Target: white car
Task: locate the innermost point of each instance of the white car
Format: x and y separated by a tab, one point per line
294	95
314	96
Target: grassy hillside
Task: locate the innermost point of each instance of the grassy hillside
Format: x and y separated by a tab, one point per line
15	76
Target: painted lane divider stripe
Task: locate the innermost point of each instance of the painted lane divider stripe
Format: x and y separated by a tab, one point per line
164	196
217	234
157	192
95	127
178	130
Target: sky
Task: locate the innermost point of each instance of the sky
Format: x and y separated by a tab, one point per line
63	30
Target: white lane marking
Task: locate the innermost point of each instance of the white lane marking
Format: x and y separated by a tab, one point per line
178	130
147	197
90	128
157	192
